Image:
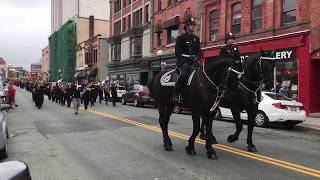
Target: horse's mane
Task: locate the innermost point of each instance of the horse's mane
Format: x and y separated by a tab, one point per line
250	60
216	60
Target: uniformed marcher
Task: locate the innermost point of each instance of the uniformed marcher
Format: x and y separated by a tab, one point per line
188	53
231	50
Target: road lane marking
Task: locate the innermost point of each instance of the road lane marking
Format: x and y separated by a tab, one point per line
258	157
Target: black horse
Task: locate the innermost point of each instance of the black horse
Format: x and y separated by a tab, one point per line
200	96
258	70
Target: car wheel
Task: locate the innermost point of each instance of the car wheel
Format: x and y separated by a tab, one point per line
135	102
261	119
123	101
176	110
289	125
218	115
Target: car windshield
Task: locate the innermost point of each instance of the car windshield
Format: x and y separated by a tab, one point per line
278	97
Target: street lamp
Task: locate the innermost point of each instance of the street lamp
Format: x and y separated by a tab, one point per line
162	64
59	73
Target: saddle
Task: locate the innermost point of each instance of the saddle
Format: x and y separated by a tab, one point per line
169	78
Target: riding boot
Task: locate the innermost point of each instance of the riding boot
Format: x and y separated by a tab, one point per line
176	93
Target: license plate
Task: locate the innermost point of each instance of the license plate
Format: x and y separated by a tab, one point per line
293	109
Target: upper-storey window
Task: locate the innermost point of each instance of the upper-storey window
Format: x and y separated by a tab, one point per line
236	18
257	14
160	2
289	11
117	6
214	25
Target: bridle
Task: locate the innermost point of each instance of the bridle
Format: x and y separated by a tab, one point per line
258	83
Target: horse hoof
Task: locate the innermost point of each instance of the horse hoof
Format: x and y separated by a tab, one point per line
252	149
167	147
212	156
202	136
190	151
232	139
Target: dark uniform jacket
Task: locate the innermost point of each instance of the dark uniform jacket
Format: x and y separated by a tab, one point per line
188	44
230	50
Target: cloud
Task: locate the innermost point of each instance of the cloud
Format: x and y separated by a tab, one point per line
25	27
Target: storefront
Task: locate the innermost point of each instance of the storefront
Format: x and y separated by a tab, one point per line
294	68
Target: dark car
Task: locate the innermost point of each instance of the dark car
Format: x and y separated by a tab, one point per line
138	95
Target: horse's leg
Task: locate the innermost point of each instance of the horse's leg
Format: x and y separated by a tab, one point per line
196	128
209	136
251	117
211	116
236	116
164	127
202	134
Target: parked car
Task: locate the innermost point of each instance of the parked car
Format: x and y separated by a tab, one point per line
138	95
4	133
121	90
16	170
274	108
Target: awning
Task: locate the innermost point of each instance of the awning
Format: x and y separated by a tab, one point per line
172	22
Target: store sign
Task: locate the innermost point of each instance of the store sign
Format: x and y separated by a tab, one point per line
288	54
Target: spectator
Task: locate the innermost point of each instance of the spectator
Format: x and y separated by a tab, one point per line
283	90
11	94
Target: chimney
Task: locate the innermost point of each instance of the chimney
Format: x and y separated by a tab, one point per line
91	26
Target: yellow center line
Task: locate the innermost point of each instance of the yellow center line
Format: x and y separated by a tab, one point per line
262	158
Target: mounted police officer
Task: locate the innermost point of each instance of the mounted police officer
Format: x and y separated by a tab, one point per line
188	53
231	50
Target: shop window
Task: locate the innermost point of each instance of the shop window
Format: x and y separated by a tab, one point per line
136	46
289	11
287	76
256	15
172	35
214	25
236	18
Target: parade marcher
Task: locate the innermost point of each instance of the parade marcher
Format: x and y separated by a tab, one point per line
68	95
39	96
76	90
106	90
231	50
188	53
100	92
93	94
114	93
86	97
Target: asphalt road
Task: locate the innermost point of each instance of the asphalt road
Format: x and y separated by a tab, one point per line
124	142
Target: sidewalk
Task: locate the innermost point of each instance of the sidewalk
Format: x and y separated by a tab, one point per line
311	122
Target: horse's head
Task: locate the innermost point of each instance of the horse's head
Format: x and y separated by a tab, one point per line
267	64
259	68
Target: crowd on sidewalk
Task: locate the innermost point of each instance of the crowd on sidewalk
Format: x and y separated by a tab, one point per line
75	93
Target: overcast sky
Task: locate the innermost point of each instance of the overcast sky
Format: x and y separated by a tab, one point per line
24	30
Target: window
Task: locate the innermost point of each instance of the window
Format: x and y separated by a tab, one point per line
146	14
236	18
95	55
160	5
126	3
289	11
129	22
159	39
124	24
170	2
172	35
257	14
117	6
117	28
136	46
137	18
115	51
214	26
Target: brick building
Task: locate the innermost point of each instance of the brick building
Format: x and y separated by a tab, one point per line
130	41
290	27
167	24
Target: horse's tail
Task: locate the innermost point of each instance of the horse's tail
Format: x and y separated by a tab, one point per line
151	86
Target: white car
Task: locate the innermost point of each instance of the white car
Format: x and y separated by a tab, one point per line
274	108
4	130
